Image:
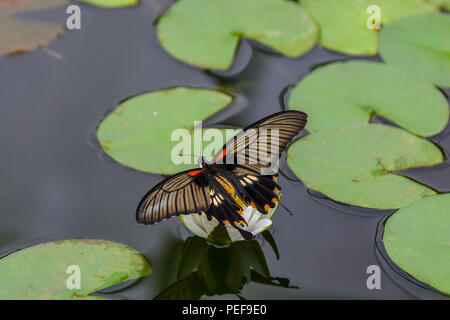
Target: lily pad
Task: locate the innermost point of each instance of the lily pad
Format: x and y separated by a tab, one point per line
445	4
420	45
206	33
343	24
41	271
138	133
417	239
19	34
111	3
346	93
356	164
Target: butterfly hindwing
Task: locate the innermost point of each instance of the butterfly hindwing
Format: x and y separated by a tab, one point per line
259	191
183	193
224	207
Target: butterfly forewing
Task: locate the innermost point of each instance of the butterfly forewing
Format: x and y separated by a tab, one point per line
259	146
183	193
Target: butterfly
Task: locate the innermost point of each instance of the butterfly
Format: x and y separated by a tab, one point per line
243	173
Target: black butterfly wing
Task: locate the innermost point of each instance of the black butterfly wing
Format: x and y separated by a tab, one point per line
183	193
224	208
260	145
259	191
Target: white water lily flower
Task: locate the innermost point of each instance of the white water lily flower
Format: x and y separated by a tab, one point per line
256	223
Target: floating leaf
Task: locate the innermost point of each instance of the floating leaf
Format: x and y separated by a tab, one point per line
206	33
138	132
343	24
445	4
18	34
356	164
40	272
346	93
111	3
417	239
420	45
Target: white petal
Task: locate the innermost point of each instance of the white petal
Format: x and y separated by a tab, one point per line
192	224
255	218
208	225
247	214
260	226
234	234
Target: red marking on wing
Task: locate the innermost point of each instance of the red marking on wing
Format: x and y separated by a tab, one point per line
221	155
195	172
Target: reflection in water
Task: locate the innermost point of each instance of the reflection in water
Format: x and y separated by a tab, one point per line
206	269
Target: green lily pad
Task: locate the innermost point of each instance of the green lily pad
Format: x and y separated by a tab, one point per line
206	33
417	239
111	3
420	45
445	4
138	132
356	164
346	93
19	34
343	24
41	271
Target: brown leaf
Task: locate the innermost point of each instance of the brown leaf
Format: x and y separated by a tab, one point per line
17	34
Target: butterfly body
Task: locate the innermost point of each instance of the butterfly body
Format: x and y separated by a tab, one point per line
238	177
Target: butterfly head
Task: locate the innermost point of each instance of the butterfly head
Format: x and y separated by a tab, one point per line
202	162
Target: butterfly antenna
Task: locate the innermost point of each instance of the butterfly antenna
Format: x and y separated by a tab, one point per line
286	208
188	155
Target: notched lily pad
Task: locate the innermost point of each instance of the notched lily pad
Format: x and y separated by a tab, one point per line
18	34
111	3
41	271
343	23
420	45
206	33
346	93
139	132
356	164
417	239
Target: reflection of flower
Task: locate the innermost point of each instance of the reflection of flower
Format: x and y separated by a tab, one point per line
199	225
206	269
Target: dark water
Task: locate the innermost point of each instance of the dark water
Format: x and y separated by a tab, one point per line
57	184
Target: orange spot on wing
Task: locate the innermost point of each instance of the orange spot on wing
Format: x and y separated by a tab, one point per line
221	155
195	172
